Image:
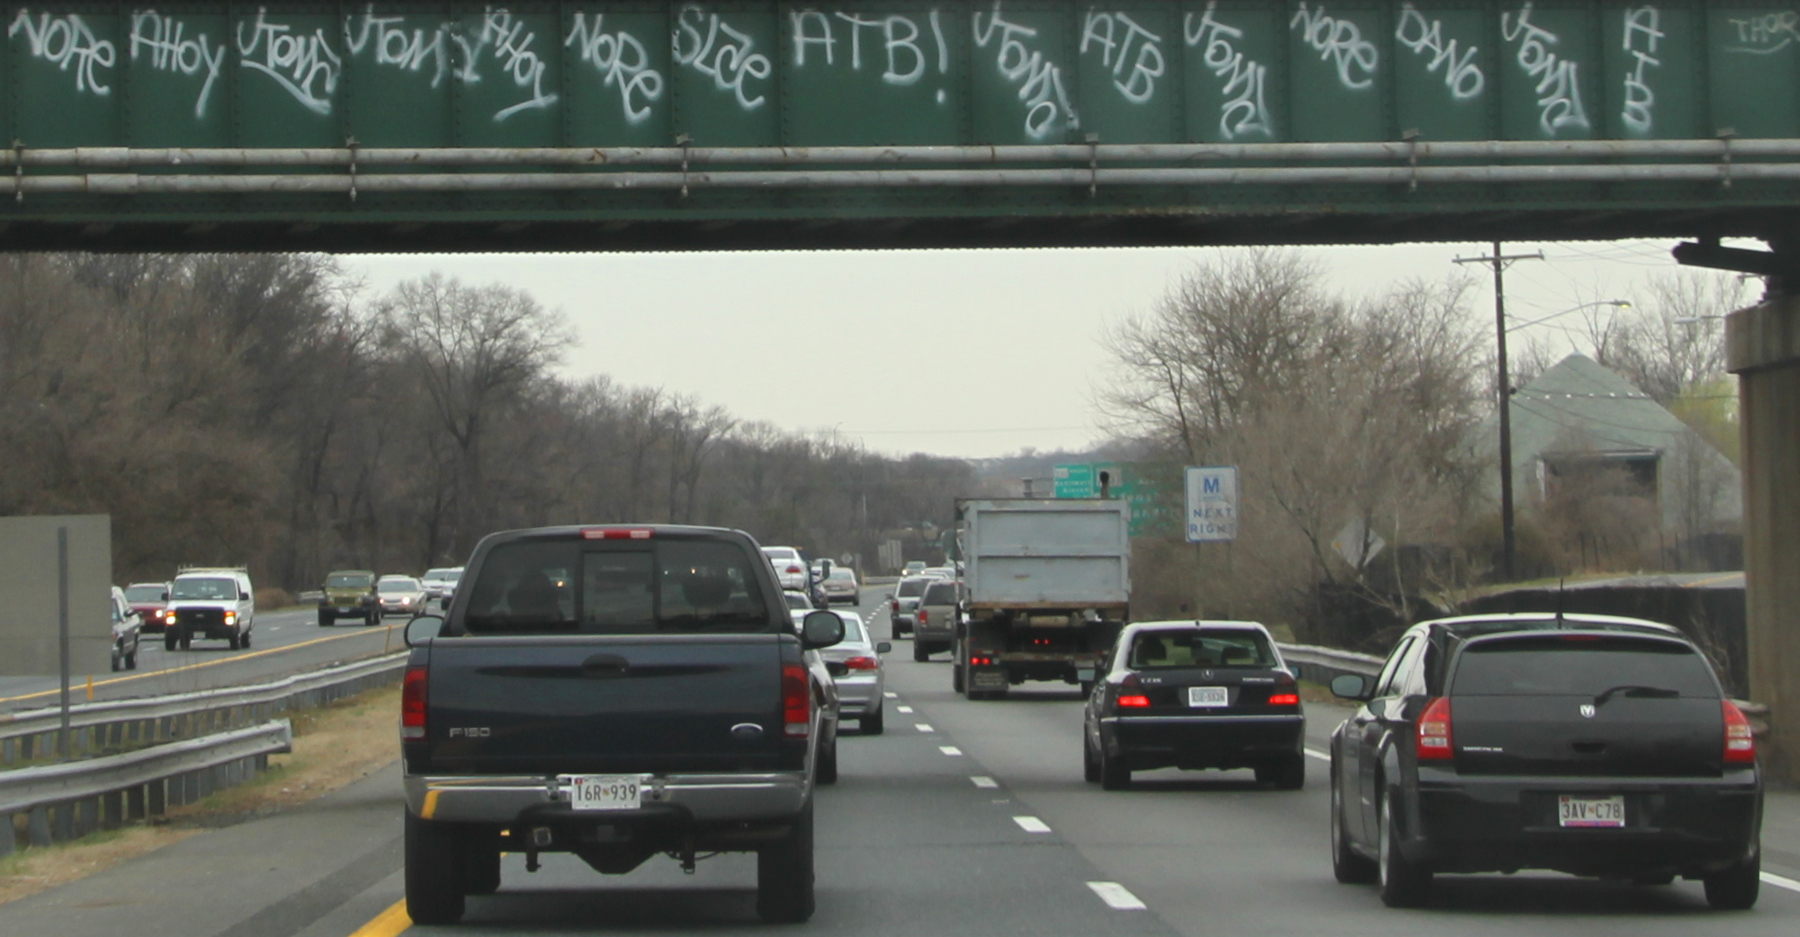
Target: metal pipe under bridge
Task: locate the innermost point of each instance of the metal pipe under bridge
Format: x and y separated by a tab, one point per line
892	123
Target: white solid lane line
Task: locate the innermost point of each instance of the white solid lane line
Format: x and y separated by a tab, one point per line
984	781
1117	896
1319	755
923	727
1780	881
1032	824
950	750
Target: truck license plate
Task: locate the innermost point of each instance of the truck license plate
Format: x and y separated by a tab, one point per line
1208	696
604	791
1591	811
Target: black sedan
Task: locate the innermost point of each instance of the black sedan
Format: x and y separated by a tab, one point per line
1583	744
1194	694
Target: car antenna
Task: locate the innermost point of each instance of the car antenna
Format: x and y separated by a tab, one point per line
1559	602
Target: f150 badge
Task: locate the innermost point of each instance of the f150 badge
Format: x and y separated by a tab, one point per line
470	732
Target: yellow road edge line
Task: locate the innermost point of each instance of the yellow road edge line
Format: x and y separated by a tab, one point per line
385	629
387	923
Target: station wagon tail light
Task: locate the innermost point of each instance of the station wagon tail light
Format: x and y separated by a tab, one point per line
863	663
924	616
1434	731
796	702
1740	742
412	704
616	533
1134	701
1284	699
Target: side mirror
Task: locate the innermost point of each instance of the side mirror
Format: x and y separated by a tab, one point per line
884	647
820	629
243	596
422	629
1353	686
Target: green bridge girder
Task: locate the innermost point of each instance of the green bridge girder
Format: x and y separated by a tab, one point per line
893	123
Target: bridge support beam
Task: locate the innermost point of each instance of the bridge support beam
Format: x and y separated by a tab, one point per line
1763	349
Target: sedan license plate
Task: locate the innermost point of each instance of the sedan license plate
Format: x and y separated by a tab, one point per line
1211	696
605	791
1591	811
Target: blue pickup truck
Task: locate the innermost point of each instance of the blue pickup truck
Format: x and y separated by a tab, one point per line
615	693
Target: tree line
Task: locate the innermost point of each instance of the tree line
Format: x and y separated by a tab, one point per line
266	410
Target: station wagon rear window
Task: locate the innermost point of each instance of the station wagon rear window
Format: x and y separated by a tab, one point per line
1580	665
562	587
940	593
144	594
911	587
1200	648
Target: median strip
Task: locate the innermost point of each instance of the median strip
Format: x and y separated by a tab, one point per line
1032	824
1117	896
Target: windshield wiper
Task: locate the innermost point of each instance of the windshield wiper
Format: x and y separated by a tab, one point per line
1637	692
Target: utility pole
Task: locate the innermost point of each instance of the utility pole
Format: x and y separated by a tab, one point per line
1500	262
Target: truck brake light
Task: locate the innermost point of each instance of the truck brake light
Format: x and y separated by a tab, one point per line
924	616
1434	731
796	702
616	533
412	704
1740	741
981	661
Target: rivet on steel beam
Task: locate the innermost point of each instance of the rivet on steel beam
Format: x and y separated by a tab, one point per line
19	171
1725	135
1093	142
350	142
1412	157
684	141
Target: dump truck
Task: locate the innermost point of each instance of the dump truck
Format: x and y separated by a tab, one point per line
1047	588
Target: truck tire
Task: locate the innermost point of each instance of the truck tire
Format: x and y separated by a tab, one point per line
1736	888
481	862
956	677
245	639
326	619
784	874
826	771
921	651
434	873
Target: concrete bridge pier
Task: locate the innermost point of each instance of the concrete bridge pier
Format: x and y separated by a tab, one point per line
1763	350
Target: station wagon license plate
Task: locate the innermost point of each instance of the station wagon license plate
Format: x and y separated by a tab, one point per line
1210	696
604	791
1591	811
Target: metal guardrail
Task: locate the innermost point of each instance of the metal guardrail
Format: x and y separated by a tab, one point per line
156	720
1320	664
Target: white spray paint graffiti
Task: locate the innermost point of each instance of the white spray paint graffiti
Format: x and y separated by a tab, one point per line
622	60
730	62
396	48
1340	41
1462	75
304	66
512	49
163	41
67	42
1103	30
1246	113
1766	35
1559	80
1041	86
1642	33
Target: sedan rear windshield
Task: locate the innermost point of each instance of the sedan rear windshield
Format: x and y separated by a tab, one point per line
562	587
911	587
205	589
1200	648
1581	665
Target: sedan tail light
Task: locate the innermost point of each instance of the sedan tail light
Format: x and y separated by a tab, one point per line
1434	731
1284	699
1134	701
1740	741
796	702
863	663
412	704
924	616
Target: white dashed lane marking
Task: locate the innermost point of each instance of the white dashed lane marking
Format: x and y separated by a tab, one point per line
923	727
1032	824
1319	755
1117	896
1780	881
984	781
890	695
950	750
904	709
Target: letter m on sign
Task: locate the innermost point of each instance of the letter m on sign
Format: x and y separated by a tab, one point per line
1209	485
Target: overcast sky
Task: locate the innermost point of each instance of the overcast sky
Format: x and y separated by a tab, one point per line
966	353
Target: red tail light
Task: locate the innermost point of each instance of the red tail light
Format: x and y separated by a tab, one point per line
1135	701
924	616
863	663
1434	731
616	533
412	704
1284	699
981	661
796	702
1740	743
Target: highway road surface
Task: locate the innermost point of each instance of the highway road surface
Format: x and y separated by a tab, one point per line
964	819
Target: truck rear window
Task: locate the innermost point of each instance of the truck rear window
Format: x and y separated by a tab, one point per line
1200	648
1580	665
940	593
911	587
562	587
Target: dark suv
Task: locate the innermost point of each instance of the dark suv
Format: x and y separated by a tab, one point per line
1583	744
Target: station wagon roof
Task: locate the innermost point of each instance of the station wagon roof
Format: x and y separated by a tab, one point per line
1464	625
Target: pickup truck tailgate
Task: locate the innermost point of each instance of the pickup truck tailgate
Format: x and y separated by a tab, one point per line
640	703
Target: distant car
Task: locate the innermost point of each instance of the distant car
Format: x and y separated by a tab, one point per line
127	631
855	666
1193	695
401	595
913	568
935	618
790	567
210	602
939	572
797	601
148	599
905	599
1584	744
440	583
349	593
841	586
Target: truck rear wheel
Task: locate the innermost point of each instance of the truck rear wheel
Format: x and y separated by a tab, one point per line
326	619
784	874
921	651
956	677
434	875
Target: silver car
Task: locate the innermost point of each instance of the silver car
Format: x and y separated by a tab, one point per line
906	603
441	582
401	595
855	665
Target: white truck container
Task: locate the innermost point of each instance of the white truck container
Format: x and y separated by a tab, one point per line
1048	587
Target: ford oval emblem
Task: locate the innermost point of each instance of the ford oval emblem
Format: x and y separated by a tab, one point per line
1588	710
746	732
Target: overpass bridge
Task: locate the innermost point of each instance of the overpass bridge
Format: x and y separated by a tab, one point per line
665	125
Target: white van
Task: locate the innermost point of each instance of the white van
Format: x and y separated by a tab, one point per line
210	602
